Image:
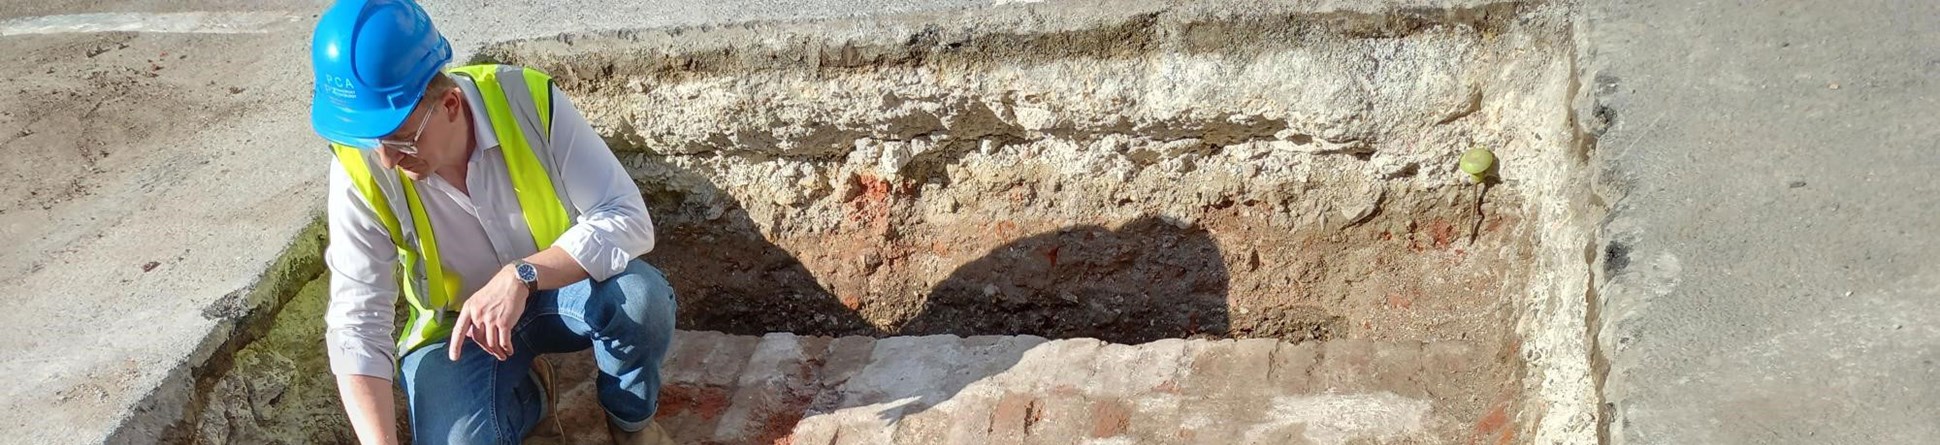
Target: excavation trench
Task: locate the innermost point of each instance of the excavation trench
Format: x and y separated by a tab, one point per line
1127	175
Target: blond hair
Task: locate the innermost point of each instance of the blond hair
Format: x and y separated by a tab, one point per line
440	82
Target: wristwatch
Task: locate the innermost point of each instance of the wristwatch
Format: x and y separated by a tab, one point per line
527	274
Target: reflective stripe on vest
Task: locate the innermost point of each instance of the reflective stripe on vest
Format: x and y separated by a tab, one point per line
518	102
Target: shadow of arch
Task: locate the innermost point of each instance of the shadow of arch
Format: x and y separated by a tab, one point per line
727	275
1145	281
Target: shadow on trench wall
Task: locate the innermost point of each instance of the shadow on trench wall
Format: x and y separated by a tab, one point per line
1145	281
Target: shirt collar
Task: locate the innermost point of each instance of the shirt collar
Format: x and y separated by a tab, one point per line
481	124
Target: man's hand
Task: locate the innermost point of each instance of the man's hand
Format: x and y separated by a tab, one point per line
489	314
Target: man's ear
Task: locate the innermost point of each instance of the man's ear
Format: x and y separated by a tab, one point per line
453	101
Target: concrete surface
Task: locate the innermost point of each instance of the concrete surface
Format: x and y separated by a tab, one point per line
146	194
1768	268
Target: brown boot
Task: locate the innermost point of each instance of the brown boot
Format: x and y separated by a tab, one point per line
651	435
542	371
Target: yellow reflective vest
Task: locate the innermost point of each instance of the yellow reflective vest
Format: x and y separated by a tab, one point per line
518	102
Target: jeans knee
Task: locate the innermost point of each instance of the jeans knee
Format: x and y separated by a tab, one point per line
450	402
640	294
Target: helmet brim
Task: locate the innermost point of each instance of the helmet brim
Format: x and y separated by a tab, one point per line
357	128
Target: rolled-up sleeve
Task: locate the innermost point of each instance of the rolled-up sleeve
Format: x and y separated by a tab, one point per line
613	225
359	322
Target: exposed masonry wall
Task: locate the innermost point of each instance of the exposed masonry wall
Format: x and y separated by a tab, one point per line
942	389
1124	171
1265	170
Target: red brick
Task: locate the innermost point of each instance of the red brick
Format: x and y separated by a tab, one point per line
846	356
1293	368
686	411
772	394
1109	418
706	402
1444	365
684	360
1493	421
1397	368
1345	365
1060	419
1011	420
722	366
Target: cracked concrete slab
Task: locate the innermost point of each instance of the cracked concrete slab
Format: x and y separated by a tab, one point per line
1766	273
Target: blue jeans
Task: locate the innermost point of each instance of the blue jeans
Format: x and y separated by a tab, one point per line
628	321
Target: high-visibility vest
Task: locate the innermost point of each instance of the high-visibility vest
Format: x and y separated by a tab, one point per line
518	102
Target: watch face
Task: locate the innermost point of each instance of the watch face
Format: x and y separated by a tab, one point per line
527	272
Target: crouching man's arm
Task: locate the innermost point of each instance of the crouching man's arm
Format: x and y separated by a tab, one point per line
612	229
359	322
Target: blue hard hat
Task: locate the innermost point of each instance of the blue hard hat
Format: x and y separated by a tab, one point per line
372	60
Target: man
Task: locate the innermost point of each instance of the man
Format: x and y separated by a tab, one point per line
490	204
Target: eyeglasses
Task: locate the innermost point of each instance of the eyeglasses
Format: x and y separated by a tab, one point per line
409	147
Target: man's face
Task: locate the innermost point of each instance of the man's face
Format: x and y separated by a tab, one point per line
430	140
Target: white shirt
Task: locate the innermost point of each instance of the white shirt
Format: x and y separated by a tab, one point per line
477	234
